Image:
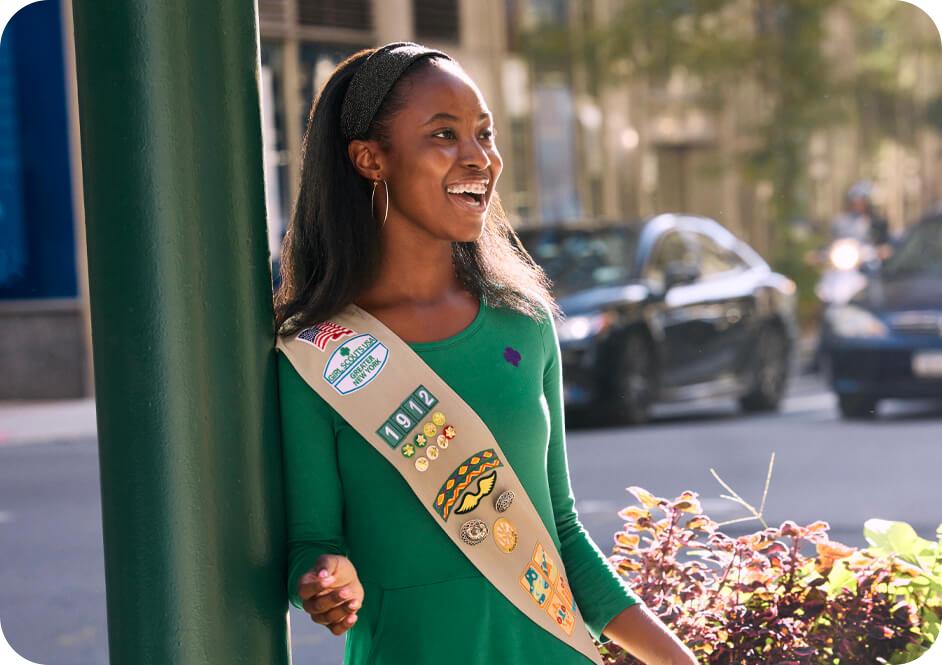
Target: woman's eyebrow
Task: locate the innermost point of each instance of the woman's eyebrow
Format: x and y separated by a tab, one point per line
449	116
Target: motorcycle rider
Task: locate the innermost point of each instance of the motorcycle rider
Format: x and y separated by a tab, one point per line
861	221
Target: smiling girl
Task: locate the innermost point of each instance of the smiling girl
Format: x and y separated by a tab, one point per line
398	218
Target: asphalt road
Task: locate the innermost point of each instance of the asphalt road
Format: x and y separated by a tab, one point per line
52	598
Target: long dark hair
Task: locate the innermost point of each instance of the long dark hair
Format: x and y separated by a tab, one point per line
331	250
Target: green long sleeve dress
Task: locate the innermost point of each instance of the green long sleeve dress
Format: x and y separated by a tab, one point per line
425	603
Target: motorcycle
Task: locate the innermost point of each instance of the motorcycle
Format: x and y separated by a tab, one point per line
845	267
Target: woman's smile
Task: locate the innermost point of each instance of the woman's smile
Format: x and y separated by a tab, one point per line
470	195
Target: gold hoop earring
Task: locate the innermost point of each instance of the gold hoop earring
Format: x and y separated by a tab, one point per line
373	207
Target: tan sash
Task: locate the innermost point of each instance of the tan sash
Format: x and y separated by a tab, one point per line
447	455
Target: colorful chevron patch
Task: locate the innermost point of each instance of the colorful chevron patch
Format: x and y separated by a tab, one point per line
463	475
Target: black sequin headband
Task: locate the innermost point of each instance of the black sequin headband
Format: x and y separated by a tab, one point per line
373	81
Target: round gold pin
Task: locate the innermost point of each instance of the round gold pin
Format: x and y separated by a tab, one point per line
505	535
438	418
430	429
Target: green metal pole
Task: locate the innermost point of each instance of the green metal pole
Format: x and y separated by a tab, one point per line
182	331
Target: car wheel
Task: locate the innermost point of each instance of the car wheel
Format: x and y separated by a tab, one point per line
769	372
633	382
857	407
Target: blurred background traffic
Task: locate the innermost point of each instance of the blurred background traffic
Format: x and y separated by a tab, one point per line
739	203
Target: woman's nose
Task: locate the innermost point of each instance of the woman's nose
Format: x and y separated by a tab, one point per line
475	155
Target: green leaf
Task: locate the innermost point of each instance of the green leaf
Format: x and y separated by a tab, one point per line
840	577
892	537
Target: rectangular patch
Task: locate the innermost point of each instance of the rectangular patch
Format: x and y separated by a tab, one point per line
536	585
390	433
414	406
425	397
545	564
403	421
561	612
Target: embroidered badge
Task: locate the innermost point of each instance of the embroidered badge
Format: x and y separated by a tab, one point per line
462	477
545	563
548	589
512	356
473	532
430	429
319	335
536	585
505	535
408	450
449	432
421	463
562	610
438	418
432	452
470	500
355	363
442	441
420	440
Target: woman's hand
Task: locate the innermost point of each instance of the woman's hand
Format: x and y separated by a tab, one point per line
641	633
331	593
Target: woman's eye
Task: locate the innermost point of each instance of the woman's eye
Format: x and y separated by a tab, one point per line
487	134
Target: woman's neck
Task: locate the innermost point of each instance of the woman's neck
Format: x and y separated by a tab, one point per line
415	268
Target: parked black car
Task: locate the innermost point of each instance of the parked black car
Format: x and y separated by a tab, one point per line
887	341
668	309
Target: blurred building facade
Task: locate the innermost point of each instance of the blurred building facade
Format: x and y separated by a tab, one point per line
573	149
44	329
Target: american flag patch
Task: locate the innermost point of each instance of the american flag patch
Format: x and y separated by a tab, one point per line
322	333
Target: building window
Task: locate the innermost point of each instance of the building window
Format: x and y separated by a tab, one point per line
436	20
351	14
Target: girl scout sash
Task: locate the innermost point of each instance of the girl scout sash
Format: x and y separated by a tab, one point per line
447	455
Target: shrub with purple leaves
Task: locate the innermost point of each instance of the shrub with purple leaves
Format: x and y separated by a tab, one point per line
779	596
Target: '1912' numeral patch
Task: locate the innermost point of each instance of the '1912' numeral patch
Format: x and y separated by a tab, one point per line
404	419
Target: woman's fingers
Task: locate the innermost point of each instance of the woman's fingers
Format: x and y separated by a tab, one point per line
339	618
335	598
343	625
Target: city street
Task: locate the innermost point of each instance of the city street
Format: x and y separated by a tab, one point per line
52	599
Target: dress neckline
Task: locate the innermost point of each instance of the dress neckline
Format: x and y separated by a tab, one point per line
459	336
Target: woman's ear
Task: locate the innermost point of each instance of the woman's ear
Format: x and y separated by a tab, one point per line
364	155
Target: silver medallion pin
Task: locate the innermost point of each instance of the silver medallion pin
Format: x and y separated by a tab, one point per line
504	500
473	532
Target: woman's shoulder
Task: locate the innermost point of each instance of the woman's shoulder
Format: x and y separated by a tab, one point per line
538	323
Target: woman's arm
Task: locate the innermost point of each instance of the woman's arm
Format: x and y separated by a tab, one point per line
610	608
638	631
313	493
599	591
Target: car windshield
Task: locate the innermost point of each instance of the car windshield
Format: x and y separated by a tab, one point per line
921	252
577	259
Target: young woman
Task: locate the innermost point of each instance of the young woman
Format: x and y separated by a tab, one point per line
398	215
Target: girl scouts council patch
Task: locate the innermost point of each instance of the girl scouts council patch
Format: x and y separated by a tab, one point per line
355	363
